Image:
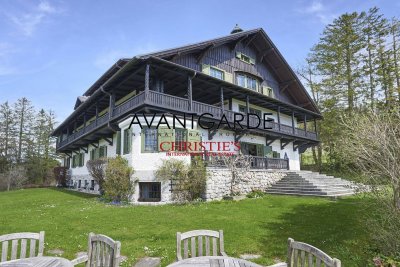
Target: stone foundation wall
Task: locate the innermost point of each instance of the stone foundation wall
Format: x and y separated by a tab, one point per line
219	182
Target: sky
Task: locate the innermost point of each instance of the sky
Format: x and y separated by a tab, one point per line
52	51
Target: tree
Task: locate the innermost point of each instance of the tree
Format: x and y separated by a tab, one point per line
24	114
337	60
7	134
239	165
118	184
374	29
189	181
372	145
96	168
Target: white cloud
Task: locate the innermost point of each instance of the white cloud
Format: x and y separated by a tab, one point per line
28	22
319	10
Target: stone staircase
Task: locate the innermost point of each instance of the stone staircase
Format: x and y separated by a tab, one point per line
307	183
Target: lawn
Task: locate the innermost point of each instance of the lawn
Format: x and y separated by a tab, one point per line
259	226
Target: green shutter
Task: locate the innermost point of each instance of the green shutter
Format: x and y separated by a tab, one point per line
142	137
260	151
205	69
193	136
127	141
268	151
118	151
278	155
244	148
165	135
252	61
92	154
228	77
238	55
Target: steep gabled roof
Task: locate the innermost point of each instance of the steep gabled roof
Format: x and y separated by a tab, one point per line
266	50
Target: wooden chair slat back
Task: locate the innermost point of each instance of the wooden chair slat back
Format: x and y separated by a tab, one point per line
201	243
18	242
306	255
103	251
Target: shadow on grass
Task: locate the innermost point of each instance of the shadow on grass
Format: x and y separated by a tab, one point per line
336	227
73	193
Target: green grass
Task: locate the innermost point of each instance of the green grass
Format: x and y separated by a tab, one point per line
259	226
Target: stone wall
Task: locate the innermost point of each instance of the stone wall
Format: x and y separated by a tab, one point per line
219	182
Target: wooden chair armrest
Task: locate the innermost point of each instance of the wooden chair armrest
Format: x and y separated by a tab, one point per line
280	264
223	254
80	260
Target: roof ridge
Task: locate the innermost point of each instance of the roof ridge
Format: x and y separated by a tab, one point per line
237	35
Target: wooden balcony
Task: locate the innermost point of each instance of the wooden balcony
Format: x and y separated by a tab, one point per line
255	163
172	103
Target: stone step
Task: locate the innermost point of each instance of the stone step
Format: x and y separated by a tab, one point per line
311	195
309	183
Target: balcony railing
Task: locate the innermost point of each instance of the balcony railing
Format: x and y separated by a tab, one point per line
255	162
182	105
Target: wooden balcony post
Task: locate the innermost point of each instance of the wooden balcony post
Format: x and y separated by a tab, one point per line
294	132
190	93
97	112
84	119
247	105
279	118
305	124
147	82
111	105
222	100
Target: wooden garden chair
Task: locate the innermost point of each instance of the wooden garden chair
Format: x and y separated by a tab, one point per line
202	243
22	239
302	254
102	252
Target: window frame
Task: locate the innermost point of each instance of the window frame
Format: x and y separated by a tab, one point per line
144	139
246	78
215	69
127	144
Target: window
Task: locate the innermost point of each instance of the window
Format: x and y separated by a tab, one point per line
245	58
252	110
180	139
150	140
79	183
103	151
150	192
78	160
92	185
247	81
127	141
219	74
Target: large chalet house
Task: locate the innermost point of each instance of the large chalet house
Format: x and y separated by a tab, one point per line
243	72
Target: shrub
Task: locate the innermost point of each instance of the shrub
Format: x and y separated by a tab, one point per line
96	168
117	184
188	181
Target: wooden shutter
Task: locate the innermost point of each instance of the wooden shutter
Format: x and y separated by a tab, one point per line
252	61
260	151
127	141
92	154
238	55
205	69
192	137
165	135
228	77
268	151
118	150
244	148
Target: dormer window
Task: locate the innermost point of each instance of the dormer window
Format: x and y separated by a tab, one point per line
245	58
219	74
247	81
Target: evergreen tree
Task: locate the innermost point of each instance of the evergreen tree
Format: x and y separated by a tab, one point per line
337	58
24	114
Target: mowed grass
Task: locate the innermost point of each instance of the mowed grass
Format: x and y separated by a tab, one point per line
257	226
